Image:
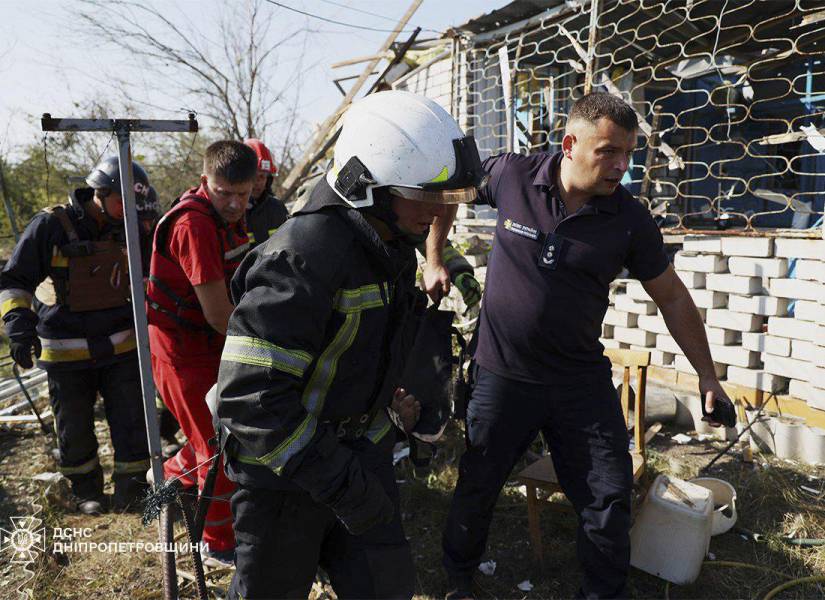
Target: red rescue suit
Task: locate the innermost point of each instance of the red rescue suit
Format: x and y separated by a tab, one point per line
193	245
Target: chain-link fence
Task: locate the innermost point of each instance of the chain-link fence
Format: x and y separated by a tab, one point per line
730	96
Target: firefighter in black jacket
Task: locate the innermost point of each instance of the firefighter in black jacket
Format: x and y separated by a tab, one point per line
314	352
78	324
264	213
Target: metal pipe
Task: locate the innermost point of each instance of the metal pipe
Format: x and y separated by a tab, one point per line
147	384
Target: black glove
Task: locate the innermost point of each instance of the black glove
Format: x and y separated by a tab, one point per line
334	476
21	351
364	503
723	412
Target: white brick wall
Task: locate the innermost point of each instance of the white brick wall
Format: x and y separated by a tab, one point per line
747	246
803	350
797	289
720	317
733	284
704	263
708	298
666	343
683	364
620	318
693	280
759	305
627	304
758	267
706	244
734	355
808	310
795	248
788	367
791	328
723	337
757	379
653	323
634	335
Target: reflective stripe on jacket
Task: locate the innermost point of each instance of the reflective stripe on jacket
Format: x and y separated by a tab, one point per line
317	338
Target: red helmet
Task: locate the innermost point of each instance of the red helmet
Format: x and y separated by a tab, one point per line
265	162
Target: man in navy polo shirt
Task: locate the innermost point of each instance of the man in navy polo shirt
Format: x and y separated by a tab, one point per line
565	230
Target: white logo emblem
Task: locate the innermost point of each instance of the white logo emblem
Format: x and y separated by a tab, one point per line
23	540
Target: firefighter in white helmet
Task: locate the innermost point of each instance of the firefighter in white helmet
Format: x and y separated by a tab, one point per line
315	349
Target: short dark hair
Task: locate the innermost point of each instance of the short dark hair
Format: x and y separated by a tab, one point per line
231	160
596	105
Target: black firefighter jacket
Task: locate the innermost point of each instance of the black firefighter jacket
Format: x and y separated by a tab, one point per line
70	340
314	348
264	217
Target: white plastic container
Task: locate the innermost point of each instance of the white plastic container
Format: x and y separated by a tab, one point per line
763	432
672	531
814	445
790	438
724	503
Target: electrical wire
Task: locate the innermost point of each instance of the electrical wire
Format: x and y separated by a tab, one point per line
358	10
333	21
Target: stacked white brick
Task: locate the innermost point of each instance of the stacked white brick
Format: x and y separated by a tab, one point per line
798	353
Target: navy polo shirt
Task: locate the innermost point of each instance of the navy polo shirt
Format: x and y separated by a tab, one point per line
548	275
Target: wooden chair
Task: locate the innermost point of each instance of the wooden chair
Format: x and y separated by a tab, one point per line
542	475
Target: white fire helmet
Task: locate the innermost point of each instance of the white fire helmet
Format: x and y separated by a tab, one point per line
409	144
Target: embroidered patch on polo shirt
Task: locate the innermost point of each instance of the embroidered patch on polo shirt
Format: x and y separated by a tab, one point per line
521	230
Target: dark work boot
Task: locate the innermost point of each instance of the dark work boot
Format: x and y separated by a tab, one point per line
130	489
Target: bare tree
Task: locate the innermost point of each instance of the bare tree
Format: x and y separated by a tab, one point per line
230	79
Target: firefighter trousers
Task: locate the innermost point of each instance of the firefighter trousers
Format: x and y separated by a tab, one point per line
183	389
582	422
73	395
284	536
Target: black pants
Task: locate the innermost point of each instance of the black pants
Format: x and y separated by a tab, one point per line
583	424
282	537
73	395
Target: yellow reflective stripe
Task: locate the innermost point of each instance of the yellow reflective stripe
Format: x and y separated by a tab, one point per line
261	353
58	260
358	299
235	252
444	175
86	467
271	231
291	446
379	427
324	372
313	397
251	237
134	466
14	298
72	349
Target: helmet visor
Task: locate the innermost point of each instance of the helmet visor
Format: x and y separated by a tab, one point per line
456	196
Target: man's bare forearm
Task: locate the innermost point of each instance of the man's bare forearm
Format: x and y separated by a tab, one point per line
685	325
437	237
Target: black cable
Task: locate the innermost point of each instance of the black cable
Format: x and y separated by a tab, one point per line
358	10
341	22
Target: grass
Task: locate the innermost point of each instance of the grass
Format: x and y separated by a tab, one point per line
770	501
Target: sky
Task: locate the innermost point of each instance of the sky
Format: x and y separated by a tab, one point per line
47	66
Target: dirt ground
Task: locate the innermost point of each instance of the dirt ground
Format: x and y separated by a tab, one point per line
771	501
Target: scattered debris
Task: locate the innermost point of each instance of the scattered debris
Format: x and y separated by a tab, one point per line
525	586
682	439
488	567
711	556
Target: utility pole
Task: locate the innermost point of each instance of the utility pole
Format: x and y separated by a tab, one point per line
123	128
